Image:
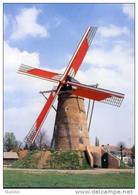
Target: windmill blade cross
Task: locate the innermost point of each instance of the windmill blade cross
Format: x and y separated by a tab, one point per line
66	82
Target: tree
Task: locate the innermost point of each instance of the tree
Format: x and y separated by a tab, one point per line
133	155
19	145
96	141
121	146
32	146
39	143
133	152
41	140
10	142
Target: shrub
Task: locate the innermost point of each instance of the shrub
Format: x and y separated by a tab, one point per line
123	165
28	162
65	160
85	164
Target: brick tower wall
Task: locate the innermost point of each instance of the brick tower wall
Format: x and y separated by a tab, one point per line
70	132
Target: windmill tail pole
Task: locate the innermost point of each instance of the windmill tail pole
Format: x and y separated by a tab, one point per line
88	109
89	104
91	112
43	93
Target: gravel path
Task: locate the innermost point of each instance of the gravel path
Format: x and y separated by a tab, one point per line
90	171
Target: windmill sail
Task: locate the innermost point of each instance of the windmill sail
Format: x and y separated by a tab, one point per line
80	53
39	73
30	138
98	94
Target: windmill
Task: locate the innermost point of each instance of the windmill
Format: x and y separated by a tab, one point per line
70	131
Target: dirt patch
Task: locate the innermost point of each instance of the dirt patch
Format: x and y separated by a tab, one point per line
44	158
22	154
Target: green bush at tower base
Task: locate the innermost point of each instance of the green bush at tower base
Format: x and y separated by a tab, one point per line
65	160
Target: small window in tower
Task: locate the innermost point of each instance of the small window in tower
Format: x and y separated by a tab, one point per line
81	140
66	108
80	129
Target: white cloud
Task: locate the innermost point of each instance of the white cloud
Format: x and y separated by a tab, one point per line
112	31
117	63
26	24
16	57
128	9
20	118
12	80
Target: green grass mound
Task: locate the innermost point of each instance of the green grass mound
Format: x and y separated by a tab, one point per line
53	160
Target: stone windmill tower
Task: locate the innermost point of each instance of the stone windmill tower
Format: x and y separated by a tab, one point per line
70	132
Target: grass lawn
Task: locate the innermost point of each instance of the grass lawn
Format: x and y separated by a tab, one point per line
14	178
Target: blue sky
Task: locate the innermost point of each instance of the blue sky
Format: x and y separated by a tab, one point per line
65	22
46	35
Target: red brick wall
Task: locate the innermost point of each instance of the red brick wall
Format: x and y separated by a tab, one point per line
98	151
113	162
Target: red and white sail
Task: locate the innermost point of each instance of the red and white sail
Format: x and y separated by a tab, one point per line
97	94
39	73
30	138
80	53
